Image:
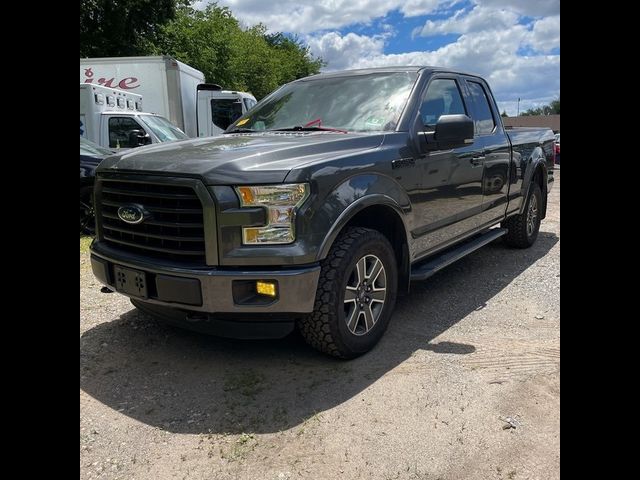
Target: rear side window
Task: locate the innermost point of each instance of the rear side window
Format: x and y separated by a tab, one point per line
442	98
483	118
120	129
225	111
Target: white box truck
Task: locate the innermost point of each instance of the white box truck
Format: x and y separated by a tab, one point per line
114	119
171	89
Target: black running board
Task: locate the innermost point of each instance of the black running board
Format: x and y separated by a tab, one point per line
424	270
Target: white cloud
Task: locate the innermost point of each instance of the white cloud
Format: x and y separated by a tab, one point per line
342	52
415	8
478	19
545	34
529	8
491	38
490	54
306	16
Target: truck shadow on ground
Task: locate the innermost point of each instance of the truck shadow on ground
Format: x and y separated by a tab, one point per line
185	382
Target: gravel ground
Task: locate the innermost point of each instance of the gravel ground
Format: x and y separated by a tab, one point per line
464	384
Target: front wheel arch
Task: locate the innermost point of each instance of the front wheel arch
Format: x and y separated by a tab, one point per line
380	213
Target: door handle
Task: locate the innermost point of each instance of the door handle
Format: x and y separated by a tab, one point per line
475	161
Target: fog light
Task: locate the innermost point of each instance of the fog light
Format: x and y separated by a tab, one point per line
266	288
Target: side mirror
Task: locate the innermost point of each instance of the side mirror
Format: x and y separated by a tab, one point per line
452	131
139	138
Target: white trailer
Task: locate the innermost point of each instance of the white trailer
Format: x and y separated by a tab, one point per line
171	89
114	119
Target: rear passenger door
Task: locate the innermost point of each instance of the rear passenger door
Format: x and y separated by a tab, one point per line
493	145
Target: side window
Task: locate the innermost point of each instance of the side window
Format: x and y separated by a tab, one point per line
442	98
484	120
120	129
249	103
225	111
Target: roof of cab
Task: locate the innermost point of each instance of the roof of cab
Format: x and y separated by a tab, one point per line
366	71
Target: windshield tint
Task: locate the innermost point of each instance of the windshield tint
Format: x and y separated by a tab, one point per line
90	148
163	128
356	103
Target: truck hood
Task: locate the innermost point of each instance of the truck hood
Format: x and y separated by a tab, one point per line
241	158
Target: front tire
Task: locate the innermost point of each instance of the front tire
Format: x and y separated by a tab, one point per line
87	215
523	229
356	295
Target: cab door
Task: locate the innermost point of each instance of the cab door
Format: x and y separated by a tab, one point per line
216	111
449	199
123	131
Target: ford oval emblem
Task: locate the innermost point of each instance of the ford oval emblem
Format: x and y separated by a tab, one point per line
131	214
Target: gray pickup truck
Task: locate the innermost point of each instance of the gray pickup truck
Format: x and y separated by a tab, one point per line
319	206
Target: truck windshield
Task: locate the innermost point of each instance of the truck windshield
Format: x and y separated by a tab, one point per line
357	103
163	128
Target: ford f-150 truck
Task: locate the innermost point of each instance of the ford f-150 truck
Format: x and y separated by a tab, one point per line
320	205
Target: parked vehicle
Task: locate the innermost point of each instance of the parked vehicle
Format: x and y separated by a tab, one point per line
113	118
171	89
320	205
90	157
557	148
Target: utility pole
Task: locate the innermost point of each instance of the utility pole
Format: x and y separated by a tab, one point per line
518	114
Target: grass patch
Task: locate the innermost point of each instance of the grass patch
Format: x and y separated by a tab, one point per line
85	241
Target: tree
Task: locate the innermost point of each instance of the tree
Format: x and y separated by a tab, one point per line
210	40
504	114
121	27
213	41
552	109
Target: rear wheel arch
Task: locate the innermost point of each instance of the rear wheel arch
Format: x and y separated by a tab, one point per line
538	174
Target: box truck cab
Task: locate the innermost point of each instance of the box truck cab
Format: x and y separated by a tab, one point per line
114	119
171	89
217	108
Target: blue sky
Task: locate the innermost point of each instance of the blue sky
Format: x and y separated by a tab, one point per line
515	44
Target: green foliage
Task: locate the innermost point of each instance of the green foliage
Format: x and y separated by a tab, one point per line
238	58
210	40
504	114
113	28
552	109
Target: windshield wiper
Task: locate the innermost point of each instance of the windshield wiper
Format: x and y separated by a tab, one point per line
241	130
300	128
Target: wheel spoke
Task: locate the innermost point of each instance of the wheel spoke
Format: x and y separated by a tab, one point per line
375	271
378	295
361	270
368	317
350	295
352	321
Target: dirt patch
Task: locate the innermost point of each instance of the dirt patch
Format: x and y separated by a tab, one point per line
473	346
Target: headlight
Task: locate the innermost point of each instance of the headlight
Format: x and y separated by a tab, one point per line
281	202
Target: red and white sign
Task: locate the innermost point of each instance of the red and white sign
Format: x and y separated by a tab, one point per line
126	83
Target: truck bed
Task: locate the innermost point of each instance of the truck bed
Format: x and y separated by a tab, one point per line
525	139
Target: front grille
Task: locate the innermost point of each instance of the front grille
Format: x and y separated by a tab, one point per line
174	229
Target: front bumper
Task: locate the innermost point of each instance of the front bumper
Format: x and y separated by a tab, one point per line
213	290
